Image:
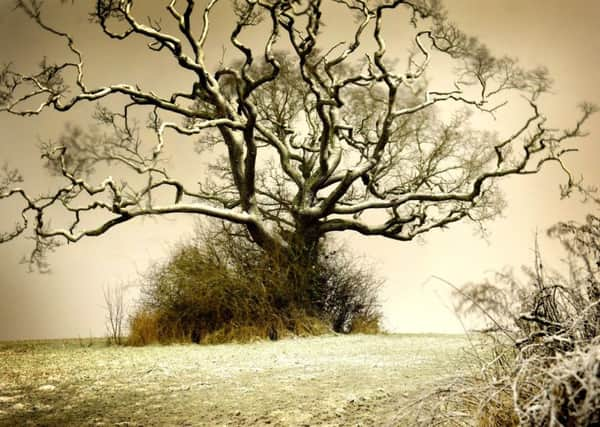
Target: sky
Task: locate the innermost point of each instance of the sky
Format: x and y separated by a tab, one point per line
563	36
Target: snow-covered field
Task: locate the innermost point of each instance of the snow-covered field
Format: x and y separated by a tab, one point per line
329	380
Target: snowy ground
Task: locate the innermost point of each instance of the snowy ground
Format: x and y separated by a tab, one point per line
331	380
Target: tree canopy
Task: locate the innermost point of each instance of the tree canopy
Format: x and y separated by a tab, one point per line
309	134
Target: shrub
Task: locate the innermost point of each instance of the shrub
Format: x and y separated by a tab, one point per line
221	287
348	291
543	366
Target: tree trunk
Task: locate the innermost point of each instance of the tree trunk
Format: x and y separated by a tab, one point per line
305	275
295	270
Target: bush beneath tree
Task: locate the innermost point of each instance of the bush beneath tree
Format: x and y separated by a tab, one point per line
221	287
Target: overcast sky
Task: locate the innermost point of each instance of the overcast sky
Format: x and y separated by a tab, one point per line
564	36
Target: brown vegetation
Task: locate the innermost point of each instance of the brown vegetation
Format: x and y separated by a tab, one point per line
221	287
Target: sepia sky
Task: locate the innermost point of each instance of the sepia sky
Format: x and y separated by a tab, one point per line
563	36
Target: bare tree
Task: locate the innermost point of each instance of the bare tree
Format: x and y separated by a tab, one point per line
316	136
115	312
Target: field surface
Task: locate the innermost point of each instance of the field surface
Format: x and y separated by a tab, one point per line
331	380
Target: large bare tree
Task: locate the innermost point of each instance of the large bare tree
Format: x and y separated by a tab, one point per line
310	135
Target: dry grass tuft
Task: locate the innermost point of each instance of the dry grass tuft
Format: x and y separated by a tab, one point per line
143	328
365	325
480	396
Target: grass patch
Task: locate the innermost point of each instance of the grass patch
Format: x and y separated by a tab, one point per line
334	379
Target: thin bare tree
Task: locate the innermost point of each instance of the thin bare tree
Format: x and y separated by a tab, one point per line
115	312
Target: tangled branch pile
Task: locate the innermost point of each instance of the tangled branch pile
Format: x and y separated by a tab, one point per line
539	360
222	287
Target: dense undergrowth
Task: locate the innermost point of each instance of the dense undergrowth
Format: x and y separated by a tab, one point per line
221	287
